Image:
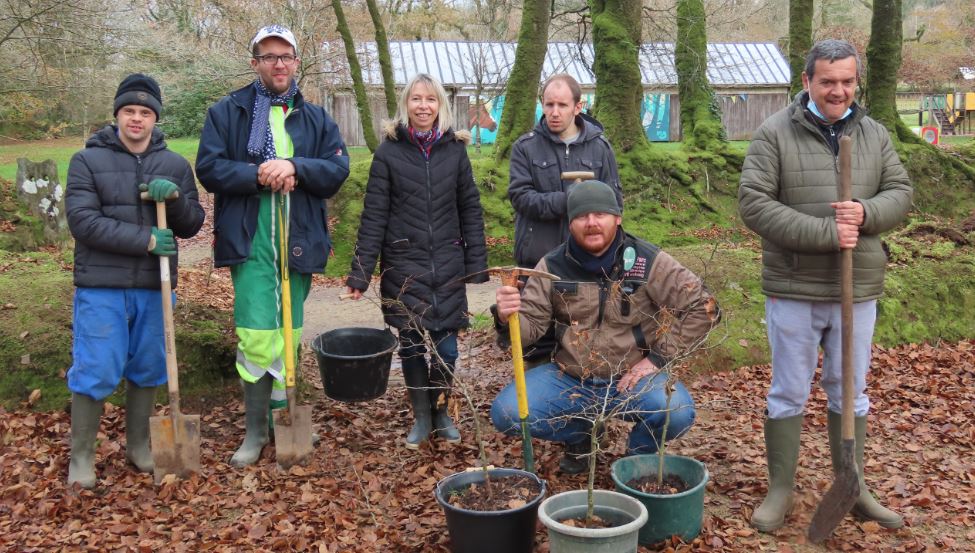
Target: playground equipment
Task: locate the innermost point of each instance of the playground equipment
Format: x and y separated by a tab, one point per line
951	113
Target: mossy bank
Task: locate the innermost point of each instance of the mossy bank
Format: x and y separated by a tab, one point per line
35	335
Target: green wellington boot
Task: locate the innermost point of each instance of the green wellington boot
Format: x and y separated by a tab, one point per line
866	507
418	387
139	404
782	452
257	398
86	413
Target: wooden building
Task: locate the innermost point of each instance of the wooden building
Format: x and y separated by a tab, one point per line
751	81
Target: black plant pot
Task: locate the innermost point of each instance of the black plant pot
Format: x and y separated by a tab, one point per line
508	531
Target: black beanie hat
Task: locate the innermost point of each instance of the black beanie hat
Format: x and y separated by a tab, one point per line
592	196
141	90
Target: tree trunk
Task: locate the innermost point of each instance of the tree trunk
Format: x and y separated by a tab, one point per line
700	116
361	98
800	40
522	93
385	63
616	37
883	63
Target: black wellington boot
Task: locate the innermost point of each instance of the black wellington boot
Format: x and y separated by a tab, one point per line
418	387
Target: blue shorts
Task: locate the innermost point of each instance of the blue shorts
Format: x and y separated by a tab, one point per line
118	332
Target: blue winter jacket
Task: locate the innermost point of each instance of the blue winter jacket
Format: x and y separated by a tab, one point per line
225	168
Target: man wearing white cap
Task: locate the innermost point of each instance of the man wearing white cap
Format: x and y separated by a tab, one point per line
265	153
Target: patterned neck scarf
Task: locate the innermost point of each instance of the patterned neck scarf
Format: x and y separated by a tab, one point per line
260	142
424	140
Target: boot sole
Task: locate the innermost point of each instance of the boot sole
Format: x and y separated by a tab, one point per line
890	525
240	464
768	528
448	440
84	484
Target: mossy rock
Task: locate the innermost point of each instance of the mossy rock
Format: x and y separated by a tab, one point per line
22	231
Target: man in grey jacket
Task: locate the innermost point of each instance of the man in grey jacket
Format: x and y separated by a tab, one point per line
788	195
563	140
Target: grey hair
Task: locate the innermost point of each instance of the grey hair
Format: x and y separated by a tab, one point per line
831	49
445	114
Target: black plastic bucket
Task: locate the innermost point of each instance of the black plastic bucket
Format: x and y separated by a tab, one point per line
354	362
508	531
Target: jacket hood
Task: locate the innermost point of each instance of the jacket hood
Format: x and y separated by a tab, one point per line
107	137
392	130
587	130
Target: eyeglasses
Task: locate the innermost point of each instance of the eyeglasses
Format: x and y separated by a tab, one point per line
271	59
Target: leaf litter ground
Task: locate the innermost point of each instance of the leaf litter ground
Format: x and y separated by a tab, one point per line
362	491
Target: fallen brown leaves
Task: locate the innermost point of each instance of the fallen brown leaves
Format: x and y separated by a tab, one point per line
364	492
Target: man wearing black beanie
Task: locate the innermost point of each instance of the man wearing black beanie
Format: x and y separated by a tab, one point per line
118	320
139	90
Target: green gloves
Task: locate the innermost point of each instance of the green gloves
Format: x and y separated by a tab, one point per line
162	242
160	190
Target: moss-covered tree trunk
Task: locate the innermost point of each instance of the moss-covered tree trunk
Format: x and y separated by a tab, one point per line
800	40
522	91
616	37
700	116
883	63
385	61
361	98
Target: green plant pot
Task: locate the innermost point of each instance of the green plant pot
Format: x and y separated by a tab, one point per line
672	514
628	513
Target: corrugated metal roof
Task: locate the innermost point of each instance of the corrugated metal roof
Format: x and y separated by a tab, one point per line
461	64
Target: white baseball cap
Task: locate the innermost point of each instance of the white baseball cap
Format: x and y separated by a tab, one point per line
279	31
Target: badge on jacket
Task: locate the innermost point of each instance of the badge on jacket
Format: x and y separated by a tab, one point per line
629	257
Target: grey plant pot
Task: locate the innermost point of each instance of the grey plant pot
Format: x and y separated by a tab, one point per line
627	512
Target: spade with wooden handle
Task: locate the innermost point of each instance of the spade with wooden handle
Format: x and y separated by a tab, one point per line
842	495
175	438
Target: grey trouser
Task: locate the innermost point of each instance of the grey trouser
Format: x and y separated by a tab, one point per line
796	331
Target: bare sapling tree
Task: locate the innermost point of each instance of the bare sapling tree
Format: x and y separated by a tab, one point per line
461	389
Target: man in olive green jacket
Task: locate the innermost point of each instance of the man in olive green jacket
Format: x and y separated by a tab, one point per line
788	195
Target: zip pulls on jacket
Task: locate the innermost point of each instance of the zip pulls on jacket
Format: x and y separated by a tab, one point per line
433	266
817	129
